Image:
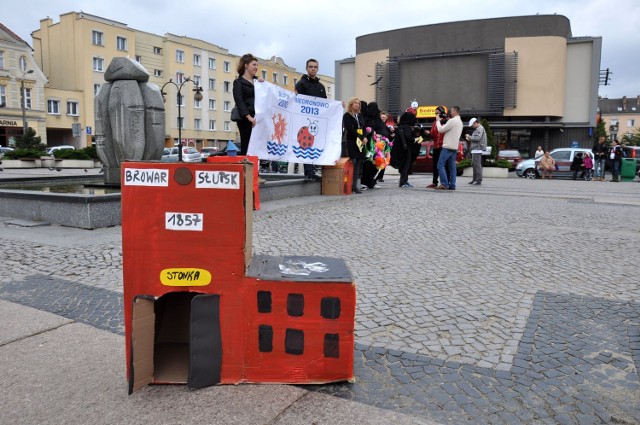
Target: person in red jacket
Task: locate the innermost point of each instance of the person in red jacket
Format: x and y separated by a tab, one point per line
437	148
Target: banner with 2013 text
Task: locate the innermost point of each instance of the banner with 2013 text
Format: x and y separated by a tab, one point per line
295	128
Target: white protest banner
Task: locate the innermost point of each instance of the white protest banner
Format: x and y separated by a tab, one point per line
295	128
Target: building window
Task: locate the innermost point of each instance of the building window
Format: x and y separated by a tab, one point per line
332	346
157	50
265	338
631	123
97	38
196	80
72	108
212	84
180	100
180	56
295	305
1	59
227	106
179	122
285	79
212	63
96	89
197	104
227	126
264	74
3	96
179	77
197	124
227	66
27	98
196	59
157	73
121	43
328	89
212	125
98	64
264	302
53	107
295	81
275	78
138	58
212	104
227	86
330	307
294	342
23	63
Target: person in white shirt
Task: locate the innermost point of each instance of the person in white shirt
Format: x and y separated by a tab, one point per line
452	130
538	153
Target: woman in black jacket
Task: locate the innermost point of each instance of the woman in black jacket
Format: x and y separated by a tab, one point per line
244	96
353	127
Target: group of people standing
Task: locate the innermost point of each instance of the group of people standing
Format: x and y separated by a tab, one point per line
604	153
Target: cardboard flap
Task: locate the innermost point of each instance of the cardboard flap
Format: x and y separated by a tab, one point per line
142	340
205	342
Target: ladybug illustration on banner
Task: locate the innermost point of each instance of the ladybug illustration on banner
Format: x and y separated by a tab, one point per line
307	135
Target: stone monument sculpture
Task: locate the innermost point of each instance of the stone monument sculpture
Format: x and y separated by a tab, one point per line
129	118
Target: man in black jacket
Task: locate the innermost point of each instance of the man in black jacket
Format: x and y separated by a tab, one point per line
310	85
600	153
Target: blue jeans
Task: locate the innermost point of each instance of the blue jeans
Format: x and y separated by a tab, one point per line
615	165
598	167
447	168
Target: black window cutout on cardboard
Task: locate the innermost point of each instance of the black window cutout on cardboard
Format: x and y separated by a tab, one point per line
330	307
264	302
294	342
265	338
332	346
295	305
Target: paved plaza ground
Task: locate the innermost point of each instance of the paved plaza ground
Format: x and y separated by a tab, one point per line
517	301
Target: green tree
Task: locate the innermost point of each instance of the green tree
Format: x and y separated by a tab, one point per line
601	130
30	141
490	138
632	139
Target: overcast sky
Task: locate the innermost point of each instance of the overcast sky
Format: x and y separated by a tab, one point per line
326	30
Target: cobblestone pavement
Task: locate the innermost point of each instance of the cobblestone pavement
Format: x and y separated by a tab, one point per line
514	302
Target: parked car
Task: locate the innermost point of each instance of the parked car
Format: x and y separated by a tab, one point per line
563	158
4	150
206	151
188	154
223	151
424	161
52	149
511	155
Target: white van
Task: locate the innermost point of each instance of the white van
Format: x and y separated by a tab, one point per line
52	149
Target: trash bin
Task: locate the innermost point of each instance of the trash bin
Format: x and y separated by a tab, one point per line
337	179
628	169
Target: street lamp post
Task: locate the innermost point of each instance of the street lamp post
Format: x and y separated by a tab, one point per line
197	96
24	106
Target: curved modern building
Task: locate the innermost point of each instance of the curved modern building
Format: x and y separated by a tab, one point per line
527	75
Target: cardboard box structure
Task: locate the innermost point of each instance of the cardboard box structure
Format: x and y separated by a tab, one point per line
200	310
337	179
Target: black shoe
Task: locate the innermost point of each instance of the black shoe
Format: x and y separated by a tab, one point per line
478	183
381	181
358	191
472	182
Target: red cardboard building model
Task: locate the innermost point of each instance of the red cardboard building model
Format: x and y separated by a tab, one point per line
200	309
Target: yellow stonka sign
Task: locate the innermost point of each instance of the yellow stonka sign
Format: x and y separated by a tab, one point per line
426	111
185	277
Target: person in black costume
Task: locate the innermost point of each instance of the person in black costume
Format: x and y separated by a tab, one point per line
403	147
373	121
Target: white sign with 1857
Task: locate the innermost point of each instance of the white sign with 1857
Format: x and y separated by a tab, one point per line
183	221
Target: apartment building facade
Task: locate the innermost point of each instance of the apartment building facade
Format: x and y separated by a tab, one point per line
75	52
621	116
19	72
